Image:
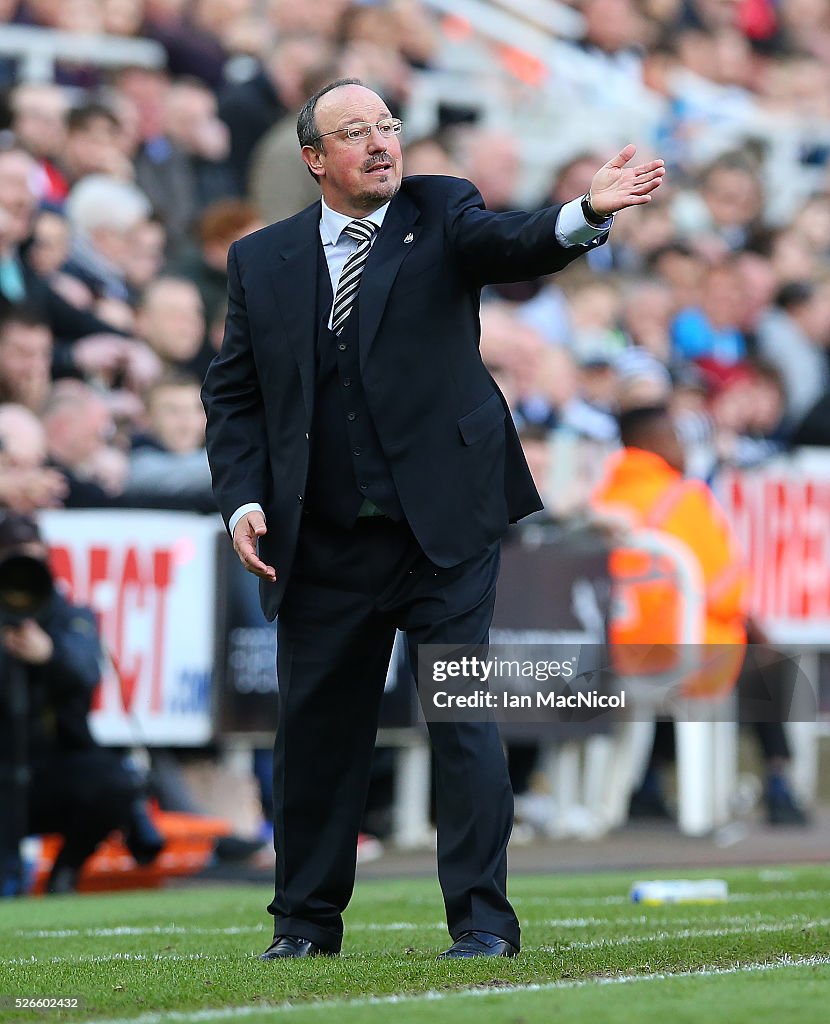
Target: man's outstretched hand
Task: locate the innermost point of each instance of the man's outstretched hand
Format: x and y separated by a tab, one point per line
246	532
617	186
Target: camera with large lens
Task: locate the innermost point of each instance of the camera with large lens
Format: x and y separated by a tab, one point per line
26	584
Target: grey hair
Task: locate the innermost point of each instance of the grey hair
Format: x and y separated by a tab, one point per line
306	122
100	200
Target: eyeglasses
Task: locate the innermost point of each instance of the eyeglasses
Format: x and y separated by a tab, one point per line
388	127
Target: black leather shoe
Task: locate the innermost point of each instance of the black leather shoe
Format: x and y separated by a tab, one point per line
472	944
292	946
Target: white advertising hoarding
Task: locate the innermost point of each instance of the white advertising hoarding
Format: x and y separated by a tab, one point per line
781	514
150	578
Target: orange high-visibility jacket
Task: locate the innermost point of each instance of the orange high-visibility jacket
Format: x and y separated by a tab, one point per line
650	494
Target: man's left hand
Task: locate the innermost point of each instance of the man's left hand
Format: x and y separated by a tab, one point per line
617	186
28	642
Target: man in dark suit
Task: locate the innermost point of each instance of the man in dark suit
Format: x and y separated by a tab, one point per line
349	409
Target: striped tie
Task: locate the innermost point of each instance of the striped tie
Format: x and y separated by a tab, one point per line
362	231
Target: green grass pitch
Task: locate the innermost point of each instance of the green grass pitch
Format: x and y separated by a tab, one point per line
589	955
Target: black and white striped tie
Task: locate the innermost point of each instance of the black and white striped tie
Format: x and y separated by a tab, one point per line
349	283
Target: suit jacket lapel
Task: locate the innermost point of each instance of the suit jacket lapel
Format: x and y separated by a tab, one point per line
385	259
294	276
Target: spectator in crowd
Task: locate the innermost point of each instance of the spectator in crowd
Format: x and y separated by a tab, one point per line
122	17
745	408
430	155
26	483
103	212
19	281
642	379
39	119
221	224
49	245
792	256
162	169
804	28
193	126
646	317
491	161
613	33
547	399
79	426
171	320
275	184
727	205
794	336
814	429
252	108
510	346
709	329
682	268
187	33
25	357
168	463
145	254
757	284
93	144
322	19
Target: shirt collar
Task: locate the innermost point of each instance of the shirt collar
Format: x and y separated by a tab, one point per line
332	222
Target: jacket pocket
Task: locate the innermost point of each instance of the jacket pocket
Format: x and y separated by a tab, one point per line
482	420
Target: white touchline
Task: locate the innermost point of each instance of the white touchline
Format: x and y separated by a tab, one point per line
232	1012
691	933
623	940
391	926
738	897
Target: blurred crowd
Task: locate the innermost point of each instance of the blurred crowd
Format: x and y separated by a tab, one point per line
122	186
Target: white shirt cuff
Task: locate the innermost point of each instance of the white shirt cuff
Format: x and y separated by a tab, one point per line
573	229
252	506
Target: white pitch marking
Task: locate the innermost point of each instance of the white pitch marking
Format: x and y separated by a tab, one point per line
391	926
623	940
94	958
690	933
232	1012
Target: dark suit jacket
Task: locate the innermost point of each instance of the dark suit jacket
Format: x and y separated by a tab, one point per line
444	427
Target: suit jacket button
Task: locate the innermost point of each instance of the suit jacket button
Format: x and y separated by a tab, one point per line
300	498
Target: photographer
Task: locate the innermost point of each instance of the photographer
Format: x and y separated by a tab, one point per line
53	775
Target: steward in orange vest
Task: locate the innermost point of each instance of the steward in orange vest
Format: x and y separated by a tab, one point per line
644	486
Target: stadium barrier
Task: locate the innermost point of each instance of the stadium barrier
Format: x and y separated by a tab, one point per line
39	49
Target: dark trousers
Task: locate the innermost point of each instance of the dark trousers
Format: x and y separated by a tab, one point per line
349	591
